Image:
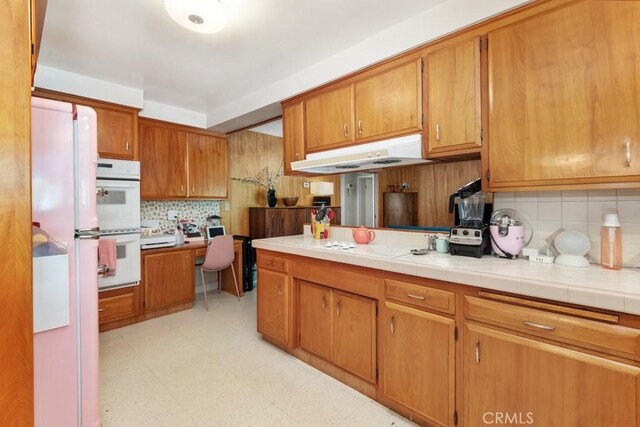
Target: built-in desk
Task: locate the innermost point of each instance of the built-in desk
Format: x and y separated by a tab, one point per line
167	285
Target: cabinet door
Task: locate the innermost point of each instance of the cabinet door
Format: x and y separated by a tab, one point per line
163	162
315	319
293	135
390	103
542	384
273	305
563	101
418	366
453	76
168	279
115	133
329	119
208	175
354	334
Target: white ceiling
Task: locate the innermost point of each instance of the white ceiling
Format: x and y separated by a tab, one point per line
136	45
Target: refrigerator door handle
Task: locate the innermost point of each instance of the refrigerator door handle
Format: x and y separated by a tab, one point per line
88	233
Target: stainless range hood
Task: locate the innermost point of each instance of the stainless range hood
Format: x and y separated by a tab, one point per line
402	151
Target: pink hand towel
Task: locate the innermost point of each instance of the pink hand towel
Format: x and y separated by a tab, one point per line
107	255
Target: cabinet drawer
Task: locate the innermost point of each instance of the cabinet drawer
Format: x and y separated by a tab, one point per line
422	296
273	263
614	339
116	307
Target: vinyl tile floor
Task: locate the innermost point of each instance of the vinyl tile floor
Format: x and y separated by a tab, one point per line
199	368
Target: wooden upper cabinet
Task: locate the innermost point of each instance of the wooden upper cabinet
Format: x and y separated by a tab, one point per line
163	162
563	97
177	162
329	119
117	133
208	166
293	135
543	383
389	103
453	93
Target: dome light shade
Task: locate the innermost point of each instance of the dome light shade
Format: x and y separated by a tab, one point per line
201	16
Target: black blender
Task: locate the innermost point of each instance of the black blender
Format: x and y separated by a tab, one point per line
470	235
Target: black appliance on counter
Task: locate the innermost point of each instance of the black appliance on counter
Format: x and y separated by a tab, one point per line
470	235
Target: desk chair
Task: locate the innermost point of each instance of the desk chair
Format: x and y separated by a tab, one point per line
219	256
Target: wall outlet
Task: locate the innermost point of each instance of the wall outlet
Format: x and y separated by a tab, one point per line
227	207
172	215
305	184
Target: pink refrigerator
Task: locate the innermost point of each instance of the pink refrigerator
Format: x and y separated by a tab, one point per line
64	161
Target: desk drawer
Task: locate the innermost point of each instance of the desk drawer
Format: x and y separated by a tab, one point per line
422	296
273	262
200	252
613	339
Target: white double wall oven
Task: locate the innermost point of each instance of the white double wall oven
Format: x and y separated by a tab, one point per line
118	193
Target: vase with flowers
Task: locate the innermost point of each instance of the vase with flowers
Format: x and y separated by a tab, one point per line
267	180
320	222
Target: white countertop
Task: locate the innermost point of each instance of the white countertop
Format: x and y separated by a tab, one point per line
590	286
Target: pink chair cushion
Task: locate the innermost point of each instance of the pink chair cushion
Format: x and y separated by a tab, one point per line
220	253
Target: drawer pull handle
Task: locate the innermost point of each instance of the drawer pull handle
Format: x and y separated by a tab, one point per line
392	324
271	263
101	309
477	351
539	326
414	296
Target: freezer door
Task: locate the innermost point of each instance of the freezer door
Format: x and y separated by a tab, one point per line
86	159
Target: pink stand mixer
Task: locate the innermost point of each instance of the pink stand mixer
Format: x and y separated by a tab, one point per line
506	229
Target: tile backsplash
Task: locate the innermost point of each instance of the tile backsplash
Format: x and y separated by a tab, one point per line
547	211
196	211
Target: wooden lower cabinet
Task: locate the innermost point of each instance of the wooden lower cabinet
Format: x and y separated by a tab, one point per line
339	327
117	304
273	305
168	279
315	319
541	384
354	334
418	364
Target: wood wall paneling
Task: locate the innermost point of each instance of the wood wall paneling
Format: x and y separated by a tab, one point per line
16	299
249	153
433	182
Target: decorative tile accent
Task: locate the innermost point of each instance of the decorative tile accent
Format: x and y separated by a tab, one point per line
195	211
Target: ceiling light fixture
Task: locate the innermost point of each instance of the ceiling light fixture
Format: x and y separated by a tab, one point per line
201	16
